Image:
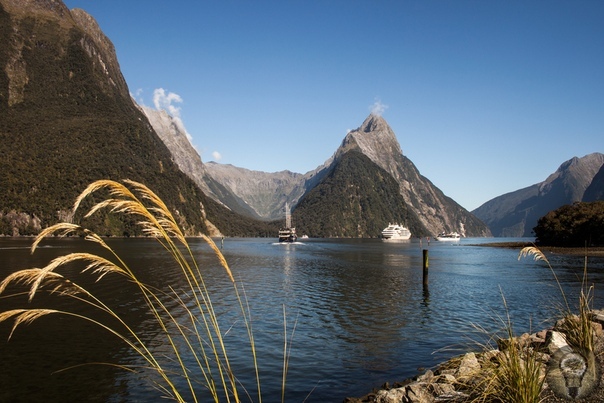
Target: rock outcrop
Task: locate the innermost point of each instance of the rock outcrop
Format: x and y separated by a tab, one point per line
437	212
566	372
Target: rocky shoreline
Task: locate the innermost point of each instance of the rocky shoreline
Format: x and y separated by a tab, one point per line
456	379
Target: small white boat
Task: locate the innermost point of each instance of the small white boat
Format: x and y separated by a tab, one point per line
396	232
449	236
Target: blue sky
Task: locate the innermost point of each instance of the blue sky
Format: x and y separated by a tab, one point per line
485	97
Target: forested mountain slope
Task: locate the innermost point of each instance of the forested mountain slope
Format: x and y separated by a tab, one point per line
67	119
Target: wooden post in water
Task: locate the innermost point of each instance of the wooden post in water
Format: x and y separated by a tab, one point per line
425	266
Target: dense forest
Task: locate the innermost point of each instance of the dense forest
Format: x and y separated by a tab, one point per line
579	224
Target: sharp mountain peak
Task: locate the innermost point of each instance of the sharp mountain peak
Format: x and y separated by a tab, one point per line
374	123
25	8
375	139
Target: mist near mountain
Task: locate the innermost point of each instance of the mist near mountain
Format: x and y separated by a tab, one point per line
515	214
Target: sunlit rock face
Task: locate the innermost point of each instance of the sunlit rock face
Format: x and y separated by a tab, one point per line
435	210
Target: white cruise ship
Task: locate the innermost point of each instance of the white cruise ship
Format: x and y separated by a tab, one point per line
395	232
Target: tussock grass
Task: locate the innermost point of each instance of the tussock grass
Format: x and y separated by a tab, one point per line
194	337
577	328
515	374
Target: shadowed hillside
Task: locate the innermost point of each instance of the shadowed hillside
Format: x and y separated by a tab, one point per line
356	199
516	213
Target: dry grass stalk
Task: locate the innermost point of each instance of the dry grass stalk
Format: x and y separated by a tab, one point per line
515	374
577	329
198	336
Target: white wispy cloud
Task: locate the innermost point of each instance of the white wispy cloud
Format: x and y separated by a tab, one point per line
378	108
166	101
216	156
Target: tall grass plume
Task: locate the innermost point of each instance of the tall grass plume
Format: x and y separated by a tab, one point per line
195	337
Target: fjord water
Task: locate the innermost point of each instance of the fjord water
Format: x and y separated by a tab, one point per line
357	314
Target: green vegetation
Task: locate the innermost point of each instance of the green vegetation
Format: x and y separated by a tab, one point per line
198	361
356	200
578	225
76	124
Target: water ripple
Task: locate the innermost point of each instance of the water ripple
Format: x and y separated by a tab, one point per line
356	313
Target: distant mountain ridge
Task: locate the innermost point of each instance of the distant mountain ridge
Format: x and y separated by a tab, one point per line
252	193
595	191
259	191
515	214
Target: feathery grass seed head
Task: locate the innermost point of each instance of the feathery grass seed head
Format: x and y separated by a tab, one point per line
534	252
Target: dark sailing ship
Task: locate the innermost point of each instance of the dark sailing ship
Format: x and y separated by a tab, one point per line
288	234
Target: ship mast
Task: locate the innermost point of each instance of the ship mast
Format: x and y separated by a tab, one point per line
288	216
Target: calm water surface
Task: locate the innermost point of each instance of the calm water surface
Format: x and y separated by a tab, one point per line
358	309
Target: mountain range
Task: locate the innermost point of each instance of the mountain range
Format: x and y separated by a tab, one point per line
67	119
414	200
516	213
263	195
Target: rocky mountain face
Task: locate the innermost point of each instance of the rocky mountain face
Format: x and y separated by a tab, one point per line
253	193
262	193
55	28
418	199
67	119
185	155
516	214
435	211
